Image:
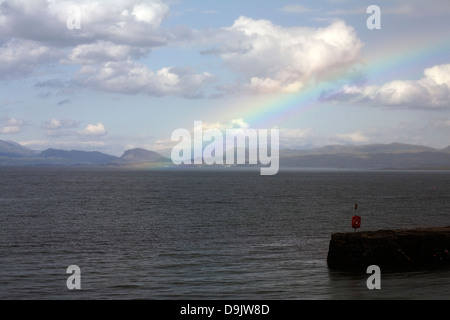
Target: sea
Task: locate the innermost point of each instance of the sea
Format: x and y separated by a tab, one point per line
207	233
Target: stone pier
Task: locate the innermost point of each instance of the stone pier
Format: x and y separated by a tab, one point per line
389	248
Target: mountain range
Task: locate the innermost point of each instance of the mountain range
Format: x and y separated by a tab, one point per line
13	154
370	156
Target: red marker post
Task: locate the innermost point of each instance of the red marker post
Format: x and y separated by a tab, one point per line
356	220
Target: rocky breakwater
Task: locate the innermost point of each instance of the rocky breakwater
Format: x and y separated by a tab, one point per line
389	248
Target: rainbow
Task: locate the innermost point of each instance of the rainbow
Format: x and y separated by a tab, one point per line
405	60
397	63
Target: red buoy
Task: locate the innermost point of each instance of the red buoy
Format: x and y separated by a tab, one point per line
356	222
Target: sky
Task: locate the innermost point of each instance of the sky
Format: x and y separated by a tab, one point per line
115	75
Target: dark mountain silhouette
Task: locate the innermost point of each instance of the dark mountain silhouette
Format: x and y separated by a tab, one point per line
371	156
366	149
374	156
77	157
13	149
139	156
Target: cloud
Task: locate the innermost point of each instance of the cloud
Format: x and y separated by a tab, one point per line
34	33
295	8
70	144
53	124
20	57
222	126
133	78
152	13
12	126
239	124
10	129
430	92
103	51
53	83
298	56
68	127
292	137
95	130
122	21
65	101
112	37
352	137
57	128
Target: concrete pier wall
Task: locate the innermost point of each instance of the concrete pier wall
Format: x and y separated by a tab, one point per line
389	248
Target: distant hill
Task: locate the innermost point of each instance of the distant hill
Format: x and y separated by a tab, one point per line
366	149
13	149
374	156
13	154
139	156
446	149
370	156
76	157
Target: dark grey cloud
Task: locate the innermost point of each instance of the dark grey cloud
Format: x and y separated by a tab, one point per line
65	101
20	57
52	83
127	22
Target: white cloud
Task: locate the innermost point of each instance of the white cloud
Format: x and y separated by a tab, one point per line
352	137
34	33
222	126
12	126
95	130
293	137
439	74
68	127
288	137
432	91
284	59
152	13
239	124
133	78
53	124
113	36
10	129
58	128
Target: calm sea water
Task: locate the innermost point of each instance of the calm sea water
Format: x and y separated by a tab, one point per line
205	234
